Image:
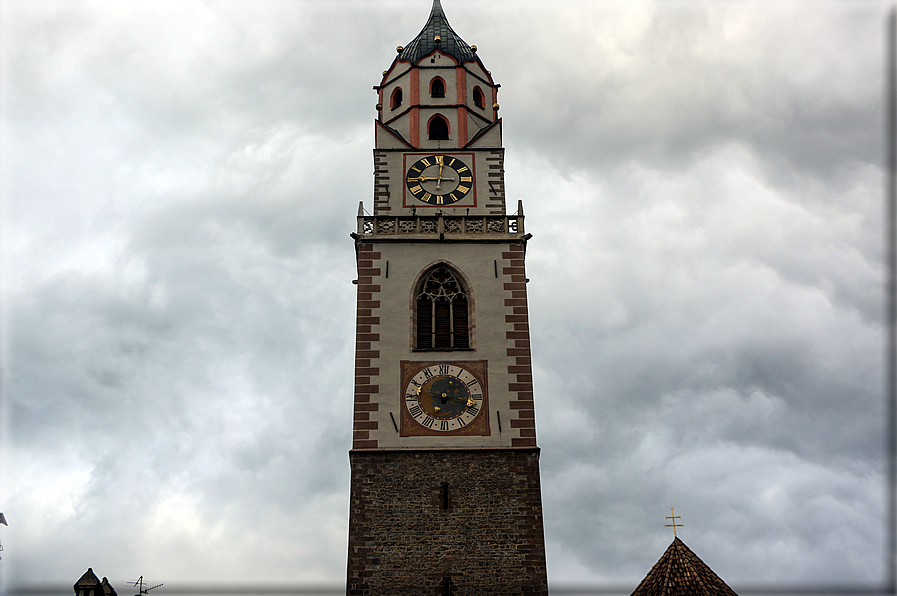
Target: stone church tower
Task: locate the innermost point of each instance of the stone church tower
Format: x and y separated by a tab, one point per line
445	493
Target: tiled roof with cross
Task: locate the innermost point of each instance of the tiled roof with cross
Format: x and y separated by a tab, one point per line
680	572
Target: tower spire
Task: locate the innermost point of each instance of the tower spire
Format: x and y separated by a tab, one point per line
437	34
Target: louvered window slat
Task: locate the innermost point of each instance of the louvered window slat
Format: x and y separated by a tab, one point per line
459	315
424	322
442	321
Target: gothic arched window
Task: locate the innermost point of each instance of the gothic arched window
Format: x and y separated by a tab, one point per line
437	87
478	98
396	100
442	312
438	129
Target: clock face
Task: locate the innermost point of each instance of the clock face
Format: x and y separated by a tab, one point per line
439	180
445	398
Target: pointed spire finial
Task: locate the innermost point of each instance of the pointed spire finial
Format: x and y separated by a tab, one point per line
425	43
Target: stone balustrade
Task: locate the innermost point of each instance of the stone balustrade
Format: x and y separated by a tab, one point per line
441	226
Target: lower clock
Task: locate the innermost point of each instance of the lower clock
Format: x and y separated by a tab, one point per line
444	398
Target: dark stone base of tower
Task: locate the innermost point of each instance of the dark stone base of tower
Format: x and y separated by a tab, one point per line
459	522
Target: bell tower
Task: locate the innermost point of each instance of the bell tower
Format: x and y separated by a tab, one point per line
445	490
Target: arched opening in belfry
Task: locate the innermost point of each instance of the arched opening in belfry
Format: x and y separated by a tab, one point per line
438	128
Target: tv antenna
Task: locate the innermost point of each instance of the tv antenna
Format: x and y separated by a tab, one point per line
139	585
2	521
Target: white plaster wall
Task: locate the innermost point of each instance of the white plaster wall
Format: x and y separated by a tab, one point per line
449	76
475	262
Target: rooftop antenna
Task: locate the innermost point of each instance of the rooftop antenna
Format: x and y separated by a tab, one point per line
139	585
3	521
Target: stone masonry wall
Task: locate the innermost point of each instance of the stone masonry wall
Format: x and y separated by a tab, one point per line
367	335
495	201
519	348
381	183
459	522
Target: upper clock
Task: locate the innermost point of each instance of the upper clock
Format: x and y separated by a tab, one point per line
439	180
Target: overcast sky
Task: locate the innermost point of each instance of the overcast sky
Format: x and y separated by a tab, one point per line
704	184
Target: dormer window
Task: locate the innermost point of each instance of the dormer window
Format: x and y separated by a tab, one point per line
437	87
478	99
438	129
396	99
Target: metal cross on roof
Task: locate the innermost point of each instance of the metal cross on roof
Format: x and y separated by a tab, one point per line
673	525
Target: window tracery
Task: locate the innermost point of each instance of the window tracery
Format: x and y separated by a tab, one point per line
442	315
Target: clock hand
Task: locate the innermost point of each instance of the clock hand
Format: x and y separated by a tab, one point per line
425	178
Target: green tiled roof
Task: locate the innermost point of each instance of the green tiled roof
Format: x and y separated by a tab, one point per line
425	42
680	572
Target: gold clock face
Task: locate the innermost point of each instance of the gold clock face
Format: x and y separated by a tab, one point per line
439	180
445	398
